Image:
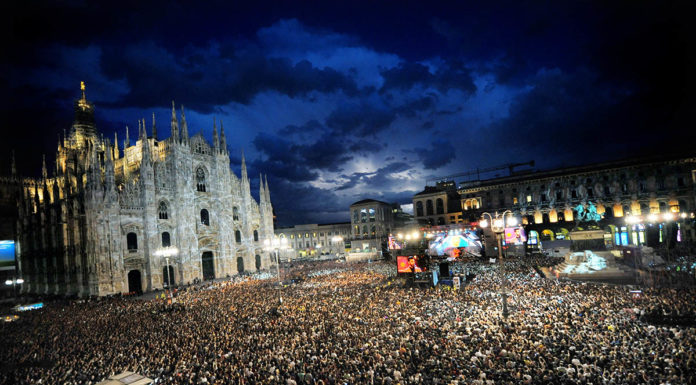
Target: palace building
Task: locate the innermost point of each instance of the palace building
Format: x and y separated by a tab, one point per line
315	240
643	201
104	220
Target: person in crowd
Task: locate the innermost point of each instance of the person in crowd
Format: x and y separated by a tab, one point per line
359	324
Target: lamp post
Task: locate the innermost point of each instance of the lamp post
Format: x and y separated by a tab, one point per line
337	240
498	224
276	244
14	282
167	252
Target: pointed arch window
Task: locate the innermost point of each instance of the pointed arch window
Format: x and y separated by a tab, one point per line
163	213
256	236
205	217
235	213
238	236
200	180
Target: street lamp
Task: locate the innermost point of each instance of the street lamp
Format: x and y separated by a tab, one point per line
498	224
337	241
167	252
276	244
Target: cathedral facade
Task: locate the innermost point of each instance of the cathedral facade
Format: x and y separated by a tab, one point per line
117	220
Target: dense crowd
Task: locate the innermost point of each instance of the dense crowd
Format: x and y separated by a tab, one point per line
359	324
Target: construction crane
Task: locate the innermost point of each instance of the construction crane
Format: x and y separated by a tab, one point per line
509	166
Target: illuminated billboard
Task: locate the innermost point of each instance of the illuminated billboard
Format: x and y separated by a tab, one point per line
515	236
7	255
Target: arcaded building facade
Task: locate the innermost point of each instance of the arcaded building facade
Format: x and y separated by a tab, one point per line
643	201
438	205
97	225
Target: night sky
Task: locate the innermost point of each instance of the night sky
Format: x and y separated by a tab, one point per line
342	101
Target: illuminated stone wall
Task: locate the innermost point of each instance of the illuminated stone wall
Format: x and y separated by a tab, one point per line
73	226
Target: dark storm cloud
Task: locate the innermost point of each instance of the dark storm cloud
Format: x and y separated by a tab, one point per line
297	162
407	75
366	146
309	127
281	160
205	79
378	180
362	119
440	153
567	113
570	81
411	108
318	205
327	153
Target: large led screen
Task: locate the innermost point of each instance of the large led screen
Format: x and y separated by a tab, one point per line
452	245
7	255
410	264
515	236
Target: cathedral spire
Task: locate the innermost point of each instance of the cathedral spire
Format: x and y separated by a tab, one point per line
175	125
223	141
184	127
116	154
126	142
109	179
268	192
146	155
262	191
216	141
154	127
244	170
44	171
14	165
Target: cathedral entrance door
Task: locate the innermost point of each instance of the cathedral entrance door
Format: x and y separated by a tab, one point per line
168	276
240	265
208	266
135	282
258	262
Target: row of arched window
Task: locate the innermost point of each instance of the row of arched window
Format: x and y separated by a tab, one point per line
364	215
439	207
365	233
132	239
205	217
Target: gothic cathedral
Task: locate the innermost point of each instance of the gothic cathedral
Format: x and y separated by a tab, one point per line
111	221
